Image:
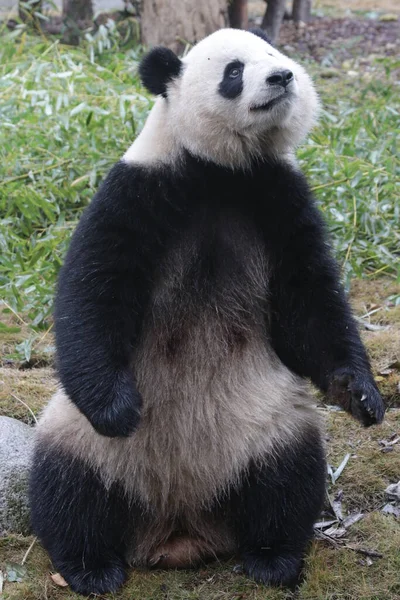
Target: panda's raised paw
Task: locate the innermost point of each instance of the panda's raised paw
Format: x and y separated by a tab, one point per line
359	395
121	415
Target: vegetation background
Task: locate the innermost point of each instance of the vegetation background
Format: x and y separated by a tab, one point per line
68	113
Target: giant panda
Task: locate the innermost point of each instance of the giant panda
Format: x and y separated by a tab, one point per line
197	299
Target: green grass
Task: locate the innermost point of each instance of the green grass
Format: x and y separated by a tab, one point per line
67	114
65	118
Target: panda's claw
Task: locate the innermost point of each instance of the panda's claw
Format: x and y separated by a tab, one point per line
359	395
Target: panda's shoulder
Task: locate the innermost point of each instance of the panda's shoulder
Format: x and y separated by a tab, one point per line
126	192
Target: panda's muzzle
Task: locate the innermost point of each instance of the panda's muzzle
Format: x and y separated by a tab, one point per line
282	78
278	79
271	103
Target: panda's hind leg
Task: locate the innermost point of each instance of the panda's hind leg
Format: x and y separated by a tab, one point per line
276	507
83	525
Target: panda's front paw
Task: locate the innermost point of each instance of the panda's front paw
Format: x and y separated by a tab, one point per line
358	394
120	416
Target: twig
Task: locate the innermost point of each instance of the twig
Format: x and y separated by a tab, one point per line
329	184
365	552
340	544
25	175
378	271
44	335
371	312
28	551
13	311
327	538
26	406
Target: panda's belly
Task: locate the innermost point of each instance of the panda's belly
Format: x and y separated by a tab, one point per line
214	393
201	424
210	406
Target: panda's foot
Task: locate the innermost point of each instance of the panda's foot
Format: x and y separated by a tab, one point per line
99	579
273	569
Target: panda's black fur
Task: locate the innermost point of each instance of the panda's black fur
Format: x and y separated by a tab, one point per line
141	218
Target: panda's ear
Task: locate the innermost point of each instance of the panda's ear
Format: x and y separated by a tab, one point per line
261	34
158	68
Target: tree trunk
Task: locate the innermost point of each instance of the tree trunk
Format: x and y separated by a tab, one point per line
301	11
78	10
76	15
238	16
175	23
273	18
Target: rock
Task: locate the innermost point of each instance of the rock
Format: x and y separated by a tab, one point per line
393	491
16	446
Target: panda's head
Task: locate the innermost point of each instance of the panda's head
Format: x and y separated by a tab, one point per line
232	99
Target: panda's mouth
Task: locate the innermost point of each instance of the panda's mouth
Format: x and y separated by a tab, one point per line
271	103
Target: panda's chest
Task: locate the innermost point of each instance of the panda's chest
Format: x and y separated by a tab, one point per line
216	272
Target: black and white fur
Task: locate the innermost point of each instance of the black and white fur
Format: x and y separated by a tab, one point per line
197	296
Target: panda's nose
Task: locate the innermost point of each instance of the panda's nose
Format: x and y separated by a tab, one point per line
282	78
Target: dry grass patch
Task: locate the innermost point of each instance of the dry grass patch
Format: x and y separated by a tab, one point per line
332	573
369	470
20	389
375	302
344	574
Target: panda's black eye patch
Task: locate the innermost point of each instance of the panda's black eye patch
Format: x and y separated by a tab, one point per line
231	85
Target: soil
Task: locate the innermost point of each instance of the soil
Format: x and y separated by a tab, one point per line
340	33
334	40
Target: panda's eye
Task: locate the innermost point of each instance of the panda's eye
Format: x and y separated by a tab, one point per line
233	73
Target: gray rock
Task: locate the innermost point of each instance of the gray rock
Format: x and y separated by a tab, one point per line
16	446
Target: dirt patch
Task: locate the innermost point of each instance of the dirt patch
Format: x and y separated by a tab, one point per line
335	40
338	35
358	5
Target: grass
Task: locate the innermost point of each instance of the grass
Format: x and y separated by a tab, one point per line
332	573
67	114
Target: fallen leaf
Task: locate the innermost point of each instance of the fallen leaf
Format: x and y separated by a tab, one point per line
15	572
371	326
334	475
351	519
386	372
388	444
336	532
337	505
58	580
391	509
237	569
393	491
324	524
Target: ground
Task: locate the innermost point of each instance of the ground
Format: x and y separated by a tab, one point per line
336	568
92	102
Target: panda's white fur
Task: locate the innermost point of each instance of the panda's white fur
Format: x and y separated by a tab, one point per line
197	292
228	133
255	403
206	413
